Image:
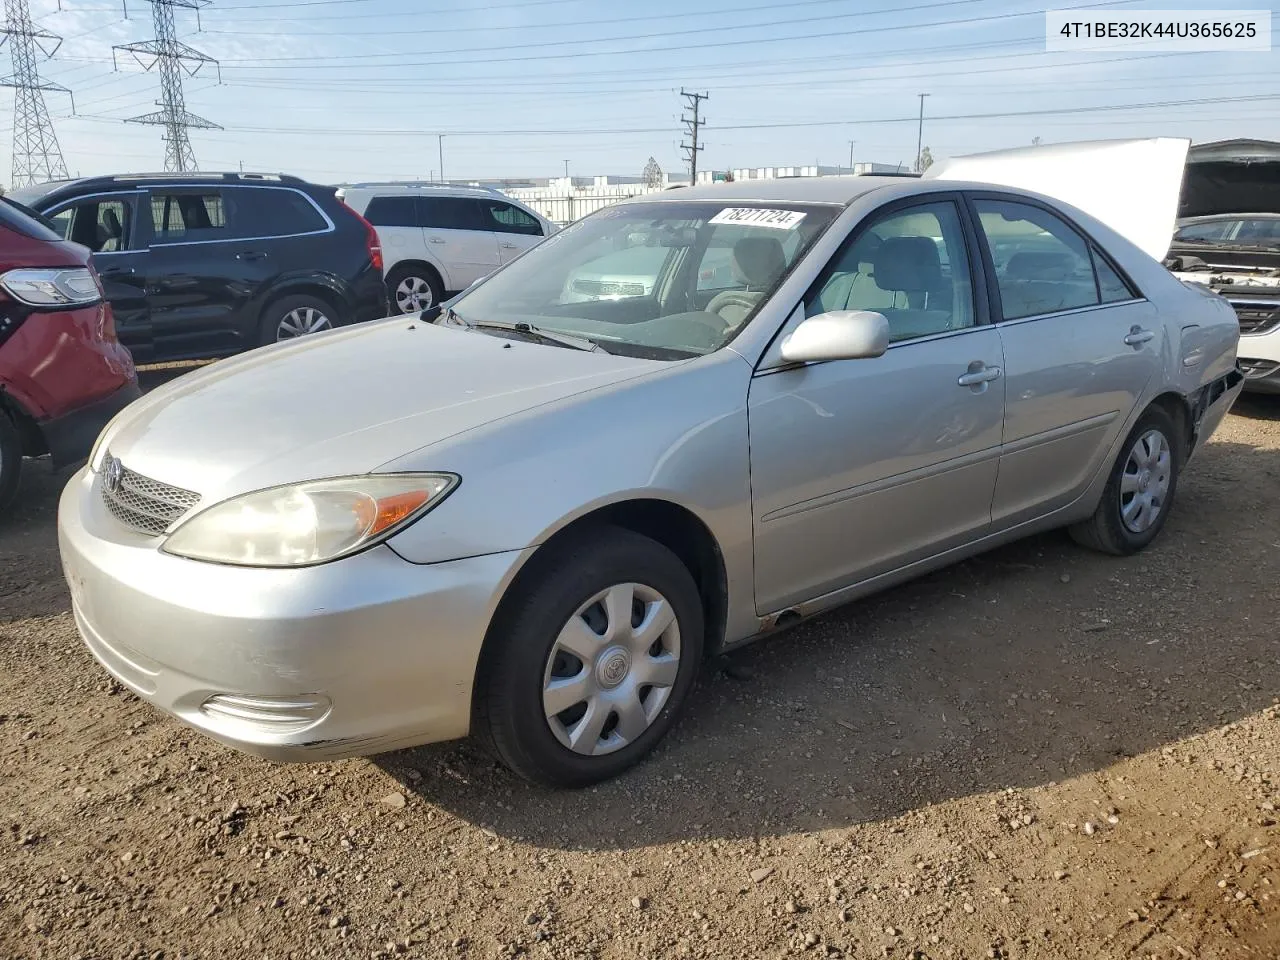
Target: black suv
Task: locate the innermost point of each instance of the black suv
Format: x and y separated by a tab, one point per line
207	265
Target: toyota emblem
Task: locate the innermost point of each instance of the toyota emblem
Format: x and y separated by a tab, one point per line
112	474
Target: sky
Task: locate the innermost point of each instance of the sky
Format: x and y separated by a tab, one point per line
341	90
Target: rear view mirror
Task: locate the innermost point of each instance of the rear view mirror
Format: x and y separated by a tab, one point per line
838	335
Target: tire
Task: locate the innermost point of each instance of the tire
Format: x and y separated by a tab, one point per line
413	288
1117	526
530	661
10	462
300	313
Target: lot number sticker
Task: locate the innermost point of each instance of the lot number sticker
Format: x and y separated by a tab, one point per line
755	217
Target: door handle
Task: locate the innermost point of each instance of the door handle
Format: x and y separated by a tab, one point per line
251	255
1137	336
975	378
437	240
508	246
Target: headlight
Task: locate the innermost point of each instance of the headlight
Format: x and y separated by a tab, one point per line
52	287
308	523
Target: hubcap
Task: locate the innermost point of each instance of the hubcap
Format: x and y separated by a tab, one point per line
1144	485
300	322
611	669
414	294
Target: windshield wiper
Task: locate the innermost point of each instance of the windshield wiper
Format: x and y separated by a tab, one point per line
537	333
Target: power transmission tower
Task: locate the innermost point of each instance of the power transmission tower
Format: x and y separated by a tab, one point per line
36	154
692	126
174	59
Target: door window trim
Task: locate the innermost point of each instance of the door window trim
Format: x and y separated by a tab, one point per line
329	228
1092	246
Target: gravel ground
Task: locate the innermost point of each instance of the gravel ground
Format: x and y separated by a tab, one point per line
1039	753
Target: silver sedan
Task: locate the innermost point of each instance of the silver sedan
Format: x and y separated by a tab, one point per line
530	517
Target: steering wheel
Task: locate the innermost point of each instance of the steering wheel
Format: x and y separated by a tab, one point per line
734	298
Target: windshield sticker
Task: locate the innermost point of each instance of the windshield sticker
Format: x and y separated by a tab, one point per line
755	217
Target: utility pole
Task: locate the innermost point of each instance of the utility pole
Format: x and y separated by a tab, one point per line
851	143
440	143
36	154
174	59
920	134
566	169
692	125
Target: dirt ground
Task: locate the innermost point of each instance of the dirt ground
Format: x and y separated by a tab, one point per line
1040	753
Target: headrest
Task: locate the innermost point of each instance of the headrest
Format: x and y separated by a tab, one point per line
111	221
908	264
759	260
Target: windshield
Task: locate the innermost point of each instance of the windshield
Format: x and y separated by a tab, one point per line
660	279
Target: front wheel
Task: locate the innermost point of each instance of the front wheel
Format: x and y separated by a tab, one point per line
594	657
10	461
1139	493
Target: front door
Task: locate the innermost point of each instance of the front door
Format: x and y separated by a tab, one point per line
1080	347
513	229
457	236
859	467
108	225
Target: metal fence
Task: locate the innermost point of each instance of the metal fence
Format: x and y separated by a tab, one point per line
566	209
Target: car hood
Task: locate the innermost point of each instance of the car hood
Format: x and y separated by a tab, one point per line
344	403
1132	186
1232	176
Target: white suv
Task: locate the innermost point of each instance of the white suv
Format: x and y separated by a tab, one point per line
440	239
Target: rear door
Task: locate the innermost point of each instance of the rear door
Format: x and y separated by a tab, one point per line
514	230
1080	346
457	234
196	282
109	226
398	221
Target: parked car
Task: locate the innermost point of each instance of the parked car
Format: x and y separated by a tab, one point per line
531	520
439	239
63	374
209	265
1229	240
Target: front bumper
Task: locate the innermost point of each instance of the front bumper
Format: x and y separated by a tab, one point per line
69	438
367	654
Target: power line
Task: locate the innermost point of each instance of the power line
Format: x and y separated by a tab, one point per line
692	125
36	154
174	59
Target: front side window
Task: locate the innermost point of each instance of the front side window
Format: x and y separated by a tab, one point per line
181	217
505	218
1042	264
910	265
101	224
632	277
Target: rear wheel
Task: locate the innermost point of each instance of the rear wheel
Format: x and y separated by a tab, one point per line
414	288
296	316
1139	493
10	461
594	658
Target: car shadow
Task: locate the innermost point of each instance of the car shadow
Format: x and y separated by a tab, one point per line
31	583
1036	662
1258	406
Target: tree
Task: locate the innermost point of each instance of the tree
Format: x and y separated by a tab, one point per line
925	161
652	173
1035	141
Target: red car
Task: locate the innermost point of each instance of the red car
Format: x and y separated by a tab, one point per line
63	374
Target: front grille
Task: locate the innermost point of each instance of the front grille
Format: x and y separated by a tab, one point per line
1257	318
139	502
609	288
1257	369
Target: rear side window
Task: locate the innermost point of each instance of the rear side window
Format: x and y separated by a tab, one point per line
502	217
17	218
1111	286
189	217
268	212
392	212
453	213
1042	264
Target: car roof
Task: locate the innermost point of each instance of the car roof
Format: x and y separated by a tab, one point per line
402	186
86	185
842	189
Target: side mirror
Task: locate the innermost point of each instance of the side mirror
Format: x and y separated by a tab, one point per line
838	335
